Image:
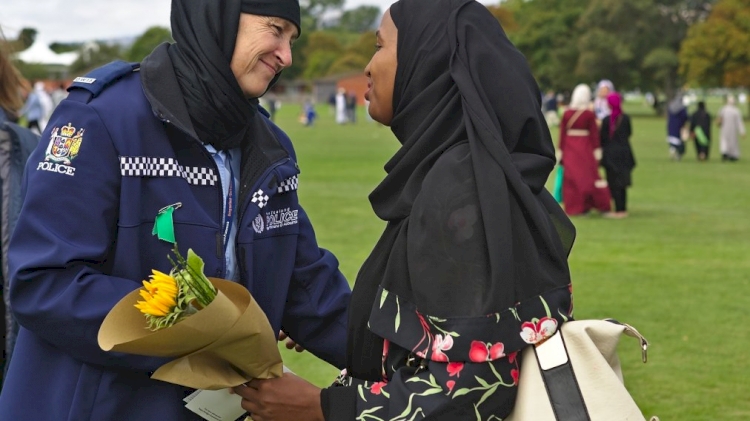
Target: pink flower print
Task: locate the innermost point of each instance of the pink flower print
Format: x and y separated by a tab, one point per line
512	357
497	351
375	389
515	373
439	345
454	369
481	352
533	333
462	221
450	384
478	352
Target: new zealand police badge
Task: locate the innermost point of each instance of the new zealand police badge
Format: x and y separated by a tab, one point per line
63	147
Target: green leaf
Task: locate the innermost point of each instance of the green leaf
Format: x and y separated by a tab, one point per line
398	314
432	391
546	307
461	392
360	389
487	395
383	296
194	261
482	381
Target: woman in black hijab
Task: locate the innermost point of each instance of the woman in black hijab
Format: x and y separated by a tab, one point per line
472	266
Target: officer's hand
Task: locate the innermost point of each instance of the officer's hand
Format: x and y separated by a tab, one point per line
290	342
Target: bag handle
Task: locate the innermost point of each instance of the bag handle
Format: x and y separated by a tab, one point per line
633	333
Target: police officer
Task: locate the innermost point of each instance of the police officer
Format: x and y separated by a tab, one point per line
180	132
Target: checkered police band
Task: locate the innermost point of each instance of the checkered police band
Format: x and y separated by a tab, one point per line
289	184
260	199
144	166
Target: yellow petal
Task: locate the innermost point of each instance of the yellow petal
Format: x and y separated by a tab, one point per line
165	300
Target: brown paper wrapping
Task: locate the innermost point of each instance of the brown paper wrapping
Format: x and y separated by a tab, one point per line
223	345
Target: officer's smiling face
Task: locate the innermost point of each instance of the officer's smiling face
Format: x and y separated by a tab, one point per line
263	49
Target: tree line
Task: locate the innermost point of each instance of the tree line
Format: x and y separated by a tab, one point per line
652	45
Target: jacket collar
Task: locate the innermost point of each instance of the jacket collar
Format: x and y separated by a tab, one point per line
162	90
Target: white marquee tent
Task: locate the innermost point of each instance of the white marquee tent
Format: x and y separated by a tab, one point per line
40	53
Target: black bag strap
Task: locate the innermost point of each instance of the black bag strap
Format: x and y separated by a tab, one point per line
560	381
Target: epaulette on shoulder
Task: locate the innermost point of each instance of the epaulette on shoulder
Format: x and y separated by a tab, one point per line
96	81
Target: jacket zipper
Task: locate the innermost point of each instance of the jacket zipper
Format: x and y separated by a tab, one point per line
220	191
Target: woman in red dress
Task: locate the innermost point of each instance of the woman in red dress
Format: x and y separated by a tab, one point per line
583	188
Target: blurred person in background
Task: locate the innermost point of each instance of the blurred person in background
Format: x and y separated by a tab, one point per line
677	117
341	106
16	144
580	153
38	108
617	154
700	131
729	119
601	107
550	105
59	94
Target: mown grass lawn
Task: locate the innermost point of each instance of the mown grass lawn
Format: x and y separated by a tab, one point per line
678	268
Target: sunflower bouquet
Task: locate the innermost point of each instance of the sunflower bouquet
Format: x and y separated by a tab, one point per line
214	330
167	299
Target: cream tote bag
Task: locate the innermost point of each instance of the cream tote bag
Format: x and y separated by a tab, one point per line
575	375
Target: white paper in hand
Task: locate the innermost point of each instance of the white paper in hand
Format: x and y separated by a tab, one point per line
215	405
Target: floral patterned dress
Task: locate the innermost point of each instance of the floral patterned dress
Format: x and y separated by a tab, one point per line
419	334
449	367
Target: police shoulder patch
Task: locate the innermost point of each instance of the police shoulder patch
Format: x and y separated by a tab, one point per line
64	145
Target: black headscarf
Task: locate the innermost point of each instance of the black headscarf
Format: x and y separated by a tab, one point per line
205	32
459	78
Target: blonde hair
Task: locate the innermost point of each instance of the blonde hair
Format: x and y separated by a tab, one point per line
11	80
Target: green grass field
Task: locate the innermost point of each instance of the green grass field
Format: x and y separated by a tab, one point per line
677	269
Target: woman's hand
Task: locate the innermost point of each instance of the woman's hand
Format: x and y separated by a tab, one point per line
290	344
287	398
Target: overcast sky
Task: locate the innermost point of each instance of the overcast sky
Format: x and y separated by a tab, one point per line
82	20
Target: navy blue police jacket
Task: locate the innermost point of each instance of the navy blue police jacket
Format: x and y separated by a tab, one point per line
114	153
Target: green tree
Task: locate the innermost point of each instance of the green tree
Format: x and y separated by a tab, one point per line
148	41
101	54
504	15
26	37
635	43
318	64
313	11
717	52
24	40
64	47
349	62
364	45
546	32
322	49
361	19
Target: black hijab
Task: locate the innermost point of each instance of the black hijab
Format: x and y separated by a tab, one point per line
205	32
459	78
